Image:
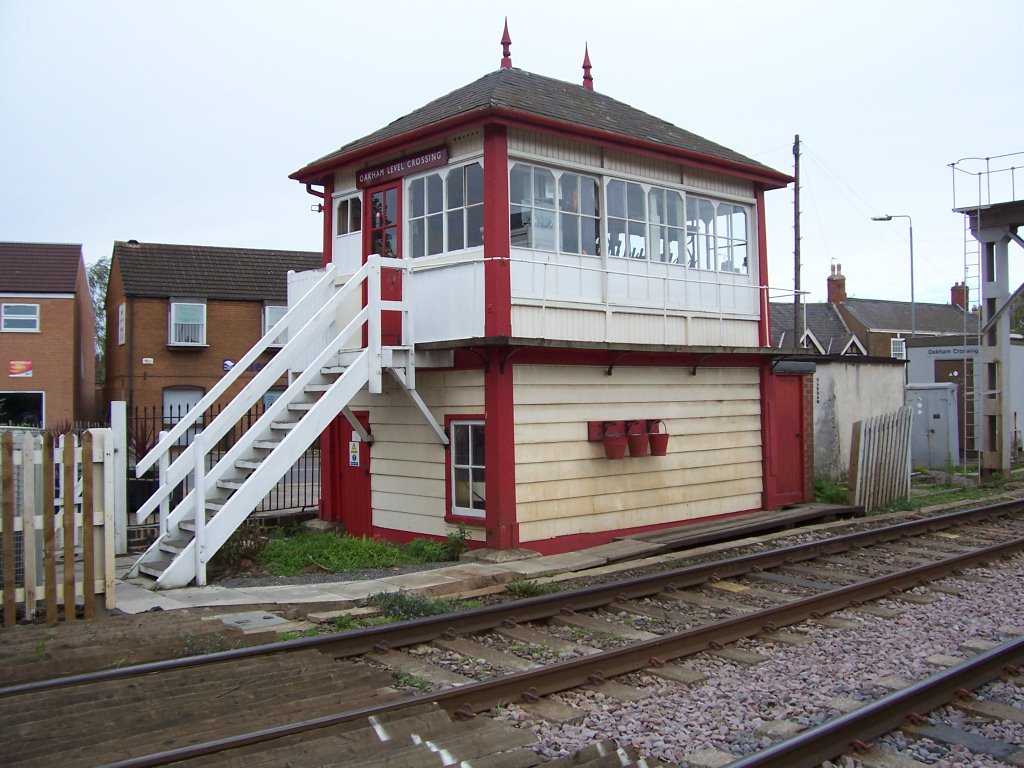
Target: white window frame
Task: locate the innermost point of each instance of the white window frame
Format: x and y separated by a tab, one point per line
172	336
446	215
269	321
550	210
8	317
467	470
898	348
347	222
121	324
8	418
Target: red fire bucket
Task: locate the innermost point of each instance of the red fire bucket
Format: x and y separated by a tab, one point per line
639	442
658	438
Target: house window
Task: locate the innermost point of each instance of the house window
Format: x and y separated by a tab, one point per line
120	324
19	318
348	216
898	348
272	316
447	210
467	468
716	235
552	210
21	409
187	324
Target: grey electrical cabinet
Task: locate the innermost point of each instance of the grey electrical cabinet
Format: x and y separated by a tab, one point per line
935	440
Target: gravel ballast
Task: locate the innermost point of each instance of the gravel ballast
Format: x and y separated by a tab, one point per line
797	683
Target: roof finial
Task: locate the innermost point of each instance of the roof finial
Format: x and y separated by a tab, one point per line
588	80
506	55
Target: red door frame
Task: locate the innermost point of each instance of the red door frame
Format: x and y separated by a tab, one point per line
391	279
785	440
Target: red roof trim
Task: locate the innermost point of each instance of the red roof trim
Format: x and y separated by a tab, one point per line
315	172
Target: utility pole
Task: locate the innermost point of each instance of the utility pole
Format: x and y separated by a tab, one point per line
797	324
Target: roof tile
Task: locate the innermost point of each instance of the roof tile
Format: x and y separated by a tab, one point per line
234	274
39	267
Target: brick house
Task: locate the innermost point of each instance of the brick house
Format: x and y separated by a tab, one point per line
883	326
47	335
178	316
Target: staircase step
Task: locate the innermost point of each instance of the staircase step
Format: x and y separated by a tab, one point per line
247	464
267	445
155	568
174	545
233	485
315	388
283	424
300	406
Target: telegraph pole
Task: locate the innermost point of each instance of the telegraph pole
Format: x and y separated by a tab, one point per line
797	329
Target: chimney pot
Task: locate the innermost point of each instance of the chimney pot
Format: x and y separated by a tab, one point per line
836	285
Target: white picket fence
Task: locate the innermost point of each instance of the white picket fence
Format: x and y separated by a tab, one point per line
57	531
880	460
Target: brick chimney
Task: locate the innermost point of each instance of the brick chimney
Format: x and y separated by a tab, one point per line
836	285
959	295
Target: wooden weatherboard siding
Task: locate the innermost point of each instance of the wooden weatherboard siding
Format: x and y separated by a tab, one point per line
406	460
564	484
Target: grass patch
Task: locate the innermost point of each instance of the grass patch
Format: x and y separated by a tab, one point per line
828	491
295	634
291	552
520	587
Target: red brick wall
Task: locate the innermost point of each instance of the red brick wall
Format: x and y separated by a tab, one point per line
231	329
52	353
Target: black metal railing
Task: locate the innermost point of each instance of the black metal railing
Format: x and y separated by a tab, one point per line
299	488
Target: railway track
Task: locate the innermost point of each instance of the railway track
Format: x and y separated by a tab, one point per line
334	696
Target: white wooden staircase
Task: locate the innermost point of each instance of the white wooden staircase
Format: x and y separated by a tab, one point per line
334	368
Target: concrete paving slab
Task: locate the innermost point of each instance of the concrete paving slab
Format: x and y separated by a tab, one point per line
250	622
281	593
133	599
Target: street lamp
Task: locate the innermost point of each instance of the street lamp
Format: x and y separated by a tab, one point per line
910	221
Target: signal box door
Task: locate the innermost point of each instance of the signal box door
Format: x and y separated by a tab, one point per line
384	236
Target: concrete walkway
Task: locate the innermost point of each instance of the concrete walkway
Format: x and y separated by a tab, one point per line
132	595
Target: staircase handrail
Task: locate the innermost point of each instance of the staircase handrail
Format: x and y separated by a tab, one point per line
244	400
279	406
250	357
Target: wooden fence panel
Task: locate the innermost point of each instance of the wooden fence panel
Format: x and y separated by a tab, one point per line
880	460
74	526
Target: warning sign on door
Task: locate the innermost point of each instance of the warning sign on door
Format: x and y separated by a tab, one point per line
353	453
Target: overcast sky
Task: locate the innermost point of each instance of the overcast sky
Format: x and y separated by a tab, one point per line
179	122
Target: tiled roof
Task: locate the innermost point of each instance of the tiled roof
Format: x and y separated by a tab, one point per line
568	103
39	267
822	319
238	274
879	315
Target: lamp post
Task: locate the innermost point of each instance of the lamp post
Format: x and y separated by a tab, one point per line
910	221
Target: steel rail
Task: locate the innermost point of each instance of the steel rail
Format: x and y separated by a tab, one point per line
361	641
830	739
466	700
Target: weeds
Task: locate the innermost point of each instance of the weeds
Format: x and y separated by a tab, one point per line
828	491
521	587
402	606
405	680
295	634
